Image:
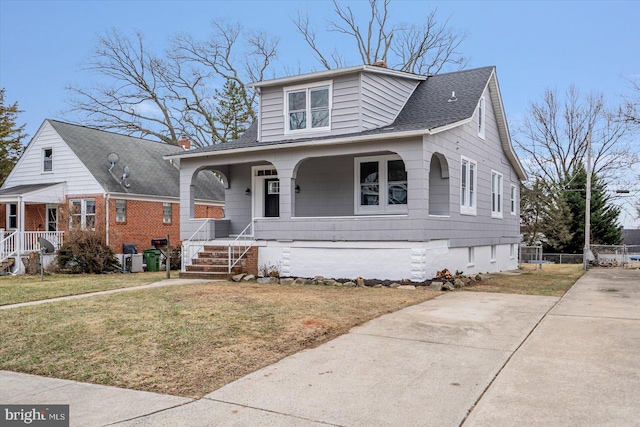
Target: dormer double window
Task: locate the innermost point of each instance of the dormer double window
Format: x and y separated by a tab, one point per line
308	108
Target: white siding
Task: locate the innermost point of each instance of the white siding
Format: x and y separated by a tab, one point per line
66	166
382	98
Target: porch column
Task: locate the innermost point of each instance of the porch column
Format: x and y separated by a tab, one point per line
20	237
287	202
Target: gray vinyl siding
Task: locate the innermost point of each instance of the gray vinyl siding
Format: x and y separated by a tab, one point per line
481	229
382	98
360	101
237	203
326	187
272	114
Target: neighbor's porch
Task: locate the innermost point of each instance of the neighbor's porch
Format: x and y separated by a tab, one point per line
30	213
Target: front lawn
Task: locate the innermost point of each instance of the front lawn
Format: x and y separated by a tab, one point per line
23	288
551	279
186	340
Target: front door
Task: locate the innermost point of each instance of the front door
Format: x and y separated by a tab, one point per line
272	197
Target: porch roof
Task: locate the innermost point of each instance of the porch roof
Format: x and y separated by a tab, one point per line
34	193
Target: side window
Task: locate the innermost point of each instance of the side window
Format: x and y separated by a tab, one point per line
166	213
468	180
121	210
496	194
514	198
47	160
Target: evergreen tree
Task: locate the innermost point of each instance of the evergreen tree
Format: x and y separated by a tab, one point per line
545	216
605	229
233	113
10	137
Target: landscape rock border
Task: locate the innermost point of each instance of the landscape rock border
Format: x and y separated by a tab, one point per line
445	281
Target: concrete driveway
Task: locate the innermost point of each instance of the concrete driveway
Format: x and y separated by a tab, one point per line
580	366
465	358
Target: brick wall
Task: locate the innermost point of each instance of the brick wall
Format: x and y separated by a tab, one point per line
252	261
144	220
202	211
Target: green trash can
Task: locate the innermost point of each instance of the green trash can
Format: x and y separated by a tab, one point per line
152	259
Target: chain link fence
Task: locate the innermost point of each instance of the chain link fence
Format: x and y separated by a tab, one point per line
615	256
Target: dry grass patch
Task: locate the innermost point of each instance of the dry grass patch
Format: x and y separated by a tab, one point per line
23	288
551	280
185	340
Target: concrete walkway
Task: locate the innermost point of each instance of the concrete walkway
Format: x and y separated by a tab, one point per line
493	358
166	282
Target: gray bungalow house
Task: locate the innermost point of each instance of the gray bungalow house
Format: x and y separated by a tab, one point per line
365	171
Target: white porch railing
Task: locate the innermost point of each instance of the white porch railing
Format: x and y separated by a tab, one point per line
241	245
7	245
190	251
17	243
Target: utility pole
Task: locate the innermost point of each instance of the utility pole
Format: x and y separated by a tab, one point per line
587	208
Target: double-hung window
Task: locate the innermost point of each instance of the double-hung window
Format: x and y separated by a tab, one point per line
166	213
12	217
513	199
381	184
308	108
121	210
468	180
82	214
496	194
47	160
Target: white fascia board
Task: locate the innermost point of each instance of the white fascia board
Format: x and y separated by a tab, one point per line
159	199
312	143
503	127
334	73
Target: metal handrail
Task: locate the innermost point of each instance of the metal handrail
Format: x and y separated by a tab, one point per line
245	238
186	260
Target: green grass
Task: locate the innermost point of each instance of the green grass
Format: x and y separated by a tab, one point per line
185	340
23	288
551	280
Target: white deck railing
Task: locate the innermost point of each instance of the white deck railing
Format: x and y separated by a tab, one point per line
17	243
7	245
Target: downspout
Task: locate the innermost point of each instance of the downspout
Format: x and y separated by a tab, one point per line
106	202
20	237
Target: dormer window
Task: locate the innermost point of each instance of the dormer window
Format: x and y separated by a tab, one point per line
308	108
47	160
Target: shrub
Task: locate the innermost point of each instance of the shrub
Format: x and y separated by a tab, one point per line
85	252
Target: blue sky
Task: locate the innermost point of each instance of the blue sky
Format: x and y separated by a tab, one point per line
534	45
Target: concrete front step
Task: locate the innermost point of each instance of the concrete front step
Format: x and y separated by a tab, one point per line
214	269
203	275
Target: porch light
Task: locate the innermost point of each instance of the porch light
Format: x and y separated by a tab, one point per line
297	188
247	191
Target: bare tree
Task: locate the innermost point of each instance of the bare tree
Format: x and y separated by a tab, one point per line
420	49
171	94
553	137
630	112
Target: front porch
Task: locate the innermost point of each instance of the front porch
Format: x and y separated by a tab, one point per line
30	213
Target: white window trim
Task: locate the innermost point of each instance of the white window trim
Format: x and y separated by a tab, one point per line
482	117
9	216
471	205
257	189
383	207
125	211
83	213
513	199
164	217
494	253
512	251
48	223
471	255
42	160
308	88
497	213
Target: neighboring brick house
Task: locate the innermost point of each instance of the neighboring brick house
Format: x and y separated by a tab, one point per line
72	176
